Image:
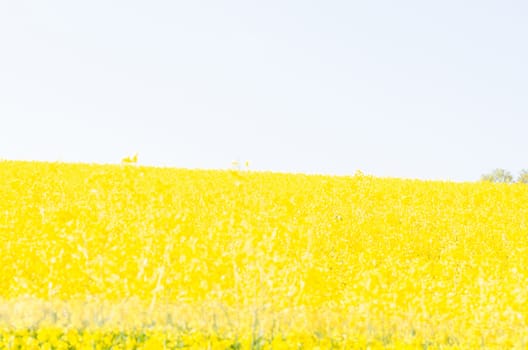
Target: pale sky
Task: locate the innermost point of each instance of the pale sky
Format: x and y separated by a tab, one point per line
416	89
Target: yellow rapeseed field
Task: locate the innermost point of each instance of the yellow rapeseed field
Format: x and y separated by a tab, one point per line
133	257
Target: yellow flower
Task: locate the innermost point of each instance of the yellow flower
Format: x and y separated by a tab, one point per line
153	344
130	159
109	256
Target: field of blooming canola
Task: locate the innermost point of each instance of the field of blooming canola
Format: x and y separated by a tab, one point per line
133	257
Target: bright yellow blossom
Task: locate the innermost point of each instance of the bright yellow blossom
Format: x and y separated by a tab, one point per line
126	257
